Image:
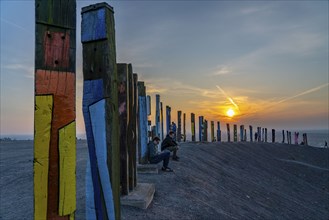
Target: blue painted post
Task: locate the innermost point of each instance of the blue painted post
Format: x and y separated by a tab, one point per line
100	110
241	132
148	105
142	124
157	115
200	128
265	134
168	118
219	135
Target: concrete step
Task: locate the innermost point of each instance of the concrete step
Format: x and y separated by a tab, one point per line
141	197
147	168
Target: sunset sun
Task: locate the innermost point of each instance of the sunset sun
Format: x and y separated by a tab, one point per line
230	113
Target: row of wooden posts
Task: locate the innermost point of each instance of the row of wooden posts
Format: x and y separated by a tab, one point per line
116	110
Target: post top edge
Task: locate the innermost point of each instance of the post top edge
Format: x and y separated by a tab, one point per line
96	7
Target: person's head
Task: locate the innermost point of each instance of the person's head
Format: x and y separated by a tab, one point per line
171	134
156	140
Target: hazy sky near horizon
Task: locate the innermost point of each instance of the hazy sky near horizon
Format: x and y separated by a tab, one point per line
268	61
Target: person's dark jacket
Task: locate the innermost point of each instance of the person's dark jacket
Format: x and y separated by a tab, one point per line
168	142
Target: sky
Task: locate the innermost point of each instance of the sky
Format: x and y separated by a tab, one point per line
265	60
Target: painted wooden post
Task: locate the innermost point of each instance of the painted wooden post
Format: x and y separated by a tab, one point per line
142	124
245	134
193	126
168	118
273	135
251	133
134	126
179	126
212	131
157	115
201	128
296	137
100	110
148	105
184	127
123	104
283	137
161	121
241	132
205	130
287	136
235	130
305	139
219	135
265	134
54	161
228	132
290	137
259	132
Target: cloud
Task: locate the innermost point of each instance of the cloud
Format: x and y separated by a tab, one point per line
28	70
221	70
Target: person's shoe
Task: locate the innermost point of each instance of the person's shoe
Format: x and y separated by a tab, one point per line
167	169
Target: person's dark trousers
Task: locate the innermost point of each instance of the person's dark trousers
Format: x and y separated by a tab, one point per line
162	156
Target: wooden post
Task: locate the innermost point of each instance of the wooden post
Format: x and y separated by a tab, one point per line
205	130
265	134
142	124
296	137
100	110
123	103
219	135
157	115
235	130
134	126
201	128
161	121
283	137
305	139
179	126
168	118
54	164
287	136
228	132
245	134
148	105
273	135
212	131
241	132
193	126
251	133
290	137
184	127
259	132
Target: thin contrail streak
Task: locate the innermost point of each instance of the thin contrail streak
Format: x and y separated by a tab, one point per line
228	97
15	25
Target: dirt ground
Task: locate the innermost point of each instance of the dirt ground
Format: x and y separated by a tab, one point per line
211	181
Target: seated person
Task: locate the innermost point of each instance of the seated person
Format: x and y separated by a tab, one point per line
155	156
169	144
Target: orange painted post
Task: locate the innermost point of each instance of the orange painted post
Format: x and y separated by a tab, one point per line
54	161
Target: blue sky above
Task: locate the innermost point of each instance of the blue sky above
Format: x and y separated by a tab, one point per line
270	58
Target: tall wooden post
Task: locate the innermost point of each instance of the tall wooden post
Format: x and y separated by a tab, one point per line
259	132
296	137
161	121
287	137
148	105
245	134
134	126
168	118
212	131
219	135
100	110
241	132
228	132
201	128
273	135
283	137
305	139
123	104
157	115
251	133
205	130
193	126
265	134
235	130
54	161
142	124
184	127
179	126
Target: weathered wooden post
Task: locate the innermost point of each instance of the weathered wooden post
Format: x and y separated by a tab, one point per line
193	126
259	133
235	133
296	137
290	137
148	105
201	128
265	134
134	126
100	110
149	122
168	118
245	134
205	130
123	104
251	133
157	115
54	161
287	136
283	137
179	126
161	121
212	131
241	132
219	135
305	139
228	132
184	127
142	124
273	135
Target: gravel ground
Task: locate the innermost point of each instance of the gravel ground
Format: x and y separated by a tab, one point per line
211	181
